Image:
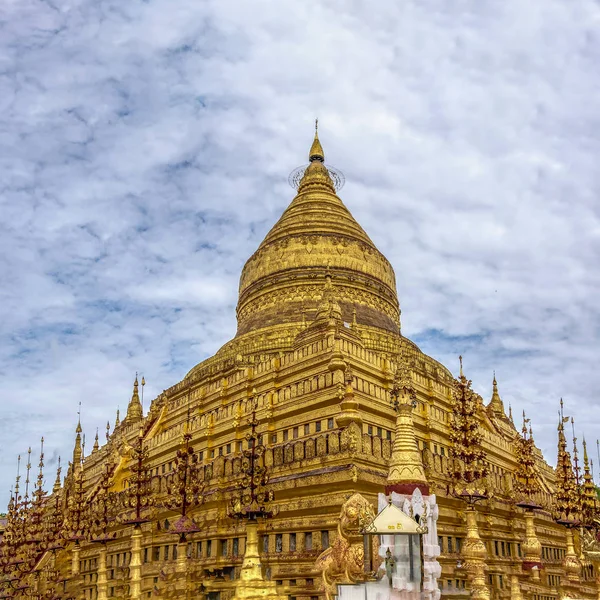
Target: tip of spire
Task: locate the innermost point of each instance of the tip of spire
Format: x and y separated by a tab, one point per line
461	366
316	150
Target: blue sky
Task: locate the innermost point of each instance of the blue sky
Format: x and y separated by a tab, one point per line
144	153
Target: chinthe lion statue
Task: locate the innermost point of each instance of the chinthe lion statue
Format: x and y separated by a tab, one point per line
343	562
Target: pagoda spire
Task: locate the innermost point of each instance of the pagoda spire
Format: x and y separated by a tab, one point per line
316	150
56	487
316	173
406	465
467	464
117	420
527	484
78	449
565	499
134	410
496	407
589	500
96	444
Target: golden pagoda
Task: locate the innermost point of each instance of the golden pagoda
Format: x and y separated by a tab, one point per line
321	402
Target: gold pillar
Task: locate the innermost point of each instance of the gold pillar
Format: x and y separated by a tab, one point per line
75	559
532	548
101	582
571	562
181	583
182	556
251	583
474	556
515	588
135	566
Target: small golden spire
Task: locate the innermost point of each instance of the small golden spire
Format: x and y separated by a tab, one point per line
134	410
18	477
107	430
96	444
316	150
496	406
56	487
40	481
406	471
118	419
461	366
565	497
78	449
28	467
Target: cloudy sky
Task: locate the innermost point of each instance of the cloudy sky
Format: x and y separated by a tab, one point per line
144	154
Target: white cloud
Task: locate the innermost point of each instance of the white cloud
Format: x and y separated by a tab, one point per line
144	150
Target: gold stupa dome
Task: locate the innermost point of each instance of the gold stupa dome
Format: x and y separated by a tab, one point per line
316	238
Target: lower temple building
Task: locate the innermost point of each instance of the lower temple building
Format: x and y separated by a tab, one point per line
279	447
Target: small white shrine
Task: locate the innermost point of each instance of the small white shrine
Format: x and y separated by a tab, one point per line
404	536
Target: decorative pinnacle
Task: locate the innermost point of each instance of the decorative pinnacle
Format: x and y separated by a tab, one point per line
461	366
78	429
28	469
107	430
316	150
57	481
40	480
496	402
18	476
96	445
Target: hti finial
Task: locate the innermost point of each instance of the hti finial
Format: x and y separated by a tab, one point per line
316	150
57	481
78	429
461	365
18	477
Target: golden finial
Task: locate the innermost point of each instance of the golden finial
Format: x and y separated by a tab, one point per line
57	481
118	419
107	430
510	415
134	410
78	429
96	444
495	404
41	465
143	384
28	467
316	150
18	476
461	366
